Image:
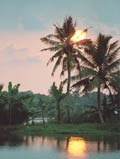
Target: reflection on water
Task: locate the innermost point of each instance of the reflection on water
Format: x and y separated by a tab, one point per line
67	148
68	144
77	146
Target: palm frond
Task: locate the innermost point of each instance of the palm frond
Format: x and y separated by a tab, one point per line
57	64
90	49
113	66
50	49
103	42
50	41
65	81
73	79
59	33
77	63
83	82
88	72
64	66
102	46
68	26
50	36
116	80
84	42
85	59
116	73
57	54
112	47
113	55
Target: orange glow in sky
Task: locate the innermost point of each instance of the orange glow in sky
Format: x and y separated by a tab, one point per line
77	146
79	35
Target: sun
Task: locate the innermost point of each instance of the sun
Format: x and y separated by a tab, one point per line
78	35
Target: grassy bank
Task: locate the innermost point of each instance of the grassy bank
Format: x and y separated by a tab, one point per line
70	129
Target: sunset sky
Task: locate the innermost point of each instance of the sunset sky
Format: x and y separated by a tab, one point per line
24	22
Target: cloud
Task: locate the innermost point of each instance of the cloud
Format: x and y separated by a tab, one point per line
14	55
11	50
20	49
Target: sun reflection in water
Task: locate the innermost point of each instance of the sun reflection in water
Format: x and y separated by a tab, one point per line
77	146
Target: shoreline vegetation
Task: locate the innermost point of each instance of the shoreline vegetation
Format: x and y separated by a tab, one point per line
51	129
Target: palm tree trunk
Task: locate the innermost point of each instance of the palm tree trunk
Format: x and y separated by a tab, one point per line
118	102
10	114
99	105
68	89
58	114
43	117
118	96
111	96
69	76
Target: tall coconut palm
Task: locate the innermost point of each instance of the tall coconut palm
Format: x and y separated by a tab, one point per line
62	47
65	52
100	69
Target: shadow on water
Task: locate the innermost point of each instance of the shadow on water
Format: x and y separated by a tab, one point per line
10	140
77	144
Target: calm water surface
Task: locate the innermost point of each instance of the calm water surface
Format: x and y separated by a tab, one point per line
38	147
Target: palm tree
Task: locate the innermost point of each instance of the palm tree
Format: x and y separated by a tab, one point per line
116	87
65	52
42	103
99	70
58	95
62	47
12	91
12	108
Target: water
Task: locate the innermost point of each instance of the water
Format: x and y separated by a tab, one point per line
39	147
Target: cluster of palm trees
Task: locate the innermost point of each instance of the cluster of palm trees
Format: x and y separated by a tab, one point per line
96	62
12	105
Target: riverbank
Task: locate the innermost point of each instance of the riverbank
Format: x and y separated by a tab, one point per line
69	129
